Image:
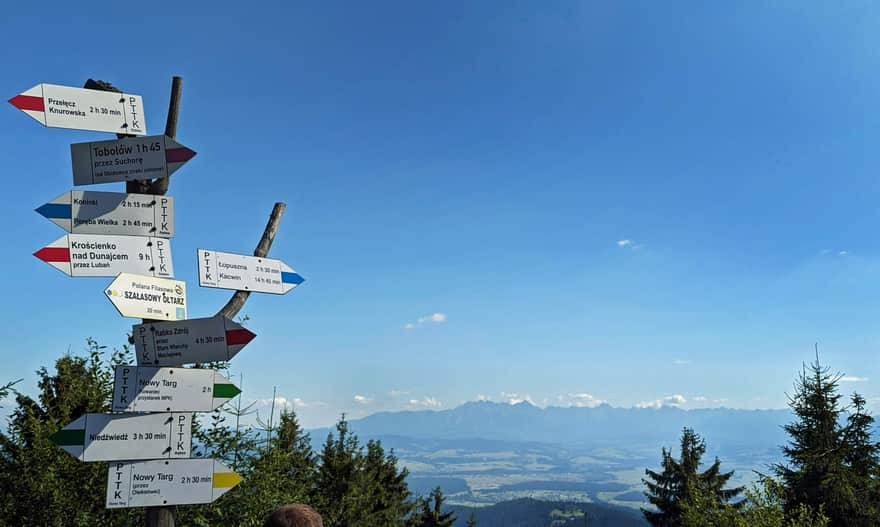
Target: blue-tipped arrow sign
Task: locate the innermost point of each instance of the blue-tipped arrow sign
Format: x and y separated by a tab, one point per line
91	212
246	273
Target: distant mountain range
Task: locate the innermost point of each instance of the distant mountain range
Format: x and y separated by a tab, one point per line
725	429
492	455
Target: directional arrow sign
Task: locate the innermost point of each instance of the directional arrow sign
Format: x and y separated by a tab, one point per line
118	437
99	255
82	109
152	157
171	482
246	273
90	212
188	341
150	389
147	297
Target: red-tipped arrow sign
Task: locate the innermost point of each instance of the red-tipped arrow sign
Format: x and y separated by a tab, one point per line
97	255
156	156
188	341
81	109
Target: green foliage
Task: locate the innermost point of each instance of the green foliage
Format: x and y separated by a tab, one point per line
42	484
274	473
832	463
430	512
762	507
680	482
357	488
6	388
354	485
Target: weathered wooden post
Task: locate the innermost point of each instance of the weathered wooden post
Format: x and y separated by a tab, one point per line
126	236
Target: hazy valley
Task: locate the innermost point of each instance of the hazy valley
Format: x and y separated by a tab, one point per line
483	453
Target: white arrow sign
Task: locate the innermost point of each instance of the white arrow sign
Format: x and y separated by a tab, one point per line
147	297
153	157
81	109
150	389
100	255
246	273
116	437
171	482
191	341
91	212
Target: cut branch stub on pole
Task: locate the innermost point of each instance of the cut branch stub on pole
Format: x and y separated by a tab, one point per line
159	186
167	516
231	309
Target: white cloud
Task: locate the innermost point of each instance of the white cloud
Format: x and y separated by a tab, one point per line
515	398
853	378
580	400
361	399
425	402
283	402
698	398
681	362
397	393
675	400
481	397
843	253
628	244
434	318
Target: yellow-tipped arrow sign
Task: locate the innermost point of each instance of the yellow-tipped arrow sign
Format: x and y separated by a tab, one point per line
168	482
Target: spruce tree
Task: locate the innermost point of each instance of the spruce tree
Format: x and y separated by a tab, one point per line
383	494
862	457
830	464
42	484
275	473
430	512
680	482
472	522
335	484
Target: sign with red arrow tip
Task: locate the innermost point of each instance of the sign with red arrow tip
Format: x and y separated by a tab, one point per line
81	109
156	156
188	341
99	255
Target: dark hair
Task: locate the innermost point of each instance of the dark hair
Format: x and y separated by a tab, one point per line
296	515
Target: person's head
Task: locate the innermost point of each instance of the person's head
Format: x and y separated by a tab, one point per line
296	515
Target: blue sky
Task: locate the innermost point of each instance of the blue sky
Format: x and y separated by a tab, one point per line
569	202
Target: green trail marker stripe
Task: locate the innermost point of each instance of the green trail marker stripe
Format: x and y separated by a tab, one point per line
69	437
226	391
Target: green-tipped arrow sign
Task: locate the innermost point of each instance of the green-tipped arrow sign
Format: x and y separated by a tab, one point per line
117	437
152	389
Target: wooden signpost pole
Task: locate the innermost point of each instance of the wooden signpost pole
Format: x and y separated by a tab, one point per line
33	103
166	516
105	226
161	516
